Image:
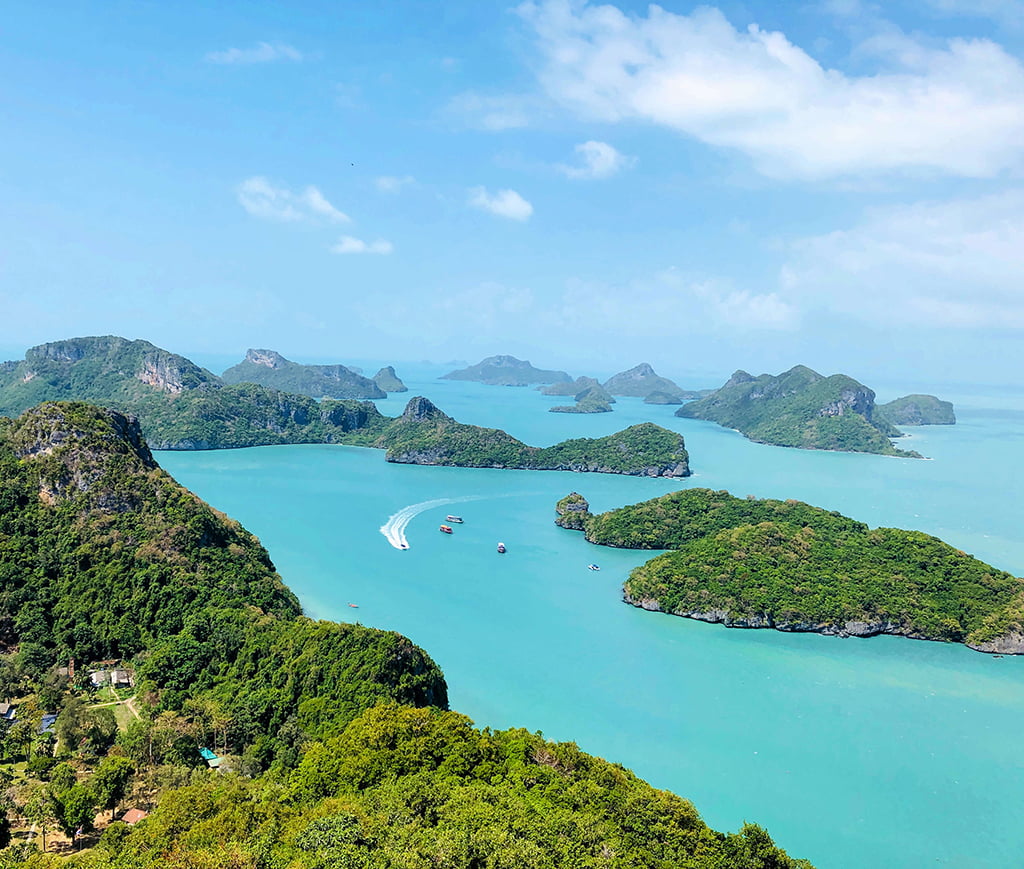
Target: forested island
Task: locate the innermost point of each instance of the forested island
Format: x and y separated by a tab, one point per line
800	408
181	406
917	410
592	399
761	563
270	368
506	370
333	743
642	381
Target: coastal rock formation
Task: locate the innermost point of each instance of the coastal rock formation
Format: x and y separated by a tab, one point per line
506	371
800	408
269	368
917	410
387	380
640	382
573	511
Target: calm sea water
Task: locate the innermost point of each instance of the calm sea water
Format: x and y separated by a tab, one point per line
853	753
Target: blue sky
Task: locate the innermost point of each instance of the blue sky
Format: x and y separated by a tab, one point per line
703	187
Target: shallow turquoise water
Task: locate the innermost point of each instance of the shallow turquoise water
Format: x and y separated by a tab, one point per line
854	753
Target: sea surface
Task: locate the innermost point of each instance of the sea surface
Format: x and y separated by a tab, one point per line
883	752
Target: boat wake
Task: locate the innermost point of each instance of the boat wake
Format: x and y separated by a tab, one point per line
394	528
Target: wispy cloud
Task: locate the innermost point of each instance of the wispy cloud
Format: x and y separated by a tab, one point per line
262	52
1010	12
393	183
262	199
348	244
952	264
597	160
956	109
492	113
503	203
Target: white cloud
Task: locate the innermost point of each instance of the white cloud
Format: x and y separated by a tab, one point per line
348	244
597	160
393	183
504	203
956	109
262	52
953	264
262	199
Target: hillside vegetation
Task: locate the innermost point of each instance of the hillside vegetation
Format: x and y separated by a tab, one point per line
270	368
788	565
334	743
800	408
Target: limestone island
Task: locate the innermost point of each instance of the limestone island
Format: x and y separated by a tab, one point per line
917	410
506	371
570	387
323	733
181	406
593	399
269	368
800	408
761	563
387	380
642	381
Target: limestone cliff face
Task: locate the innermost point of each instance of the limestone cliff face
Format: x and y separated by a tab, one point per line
420	409
77	449
573	511
266	358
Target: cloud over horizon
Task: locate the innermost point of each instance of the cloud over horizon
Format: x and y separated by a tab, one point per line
596	160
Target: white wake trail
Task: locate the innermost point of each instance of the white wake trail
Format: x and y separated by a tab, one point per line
394	528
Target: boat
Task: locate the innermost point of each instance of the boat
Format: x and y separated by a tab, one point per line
447	529
457	519
593	567
354	606
501	547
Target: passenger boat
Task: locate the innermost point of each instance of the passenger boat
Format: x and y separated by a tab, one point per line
457	519
447	529
501	547
354	606
593	567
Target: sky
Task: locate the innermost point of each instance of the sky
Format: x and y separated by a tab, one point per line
703	187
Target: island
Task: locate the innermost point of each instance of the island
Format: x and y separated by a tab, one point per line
181	406
641	381
592	399
570	387
762	563
800	408
917	410
387	380
244	733
506	371
271	369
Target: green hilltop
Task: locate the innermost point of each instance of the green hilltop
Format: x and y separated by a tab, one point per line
334	741
790	566
269	368
917	410
800	408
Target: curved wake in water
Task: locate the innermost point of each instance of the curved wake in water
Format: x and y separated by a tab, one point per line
394	528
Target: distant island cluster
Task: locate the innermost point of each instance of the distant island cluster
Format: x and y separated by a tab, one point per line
798	408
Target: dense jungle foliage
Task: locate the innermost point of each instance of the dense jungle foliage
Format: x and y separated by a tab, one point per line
320	767
790	565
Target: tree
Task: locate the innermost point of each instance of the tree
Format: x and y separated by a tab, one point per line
76	809
38	807
111	781
62	778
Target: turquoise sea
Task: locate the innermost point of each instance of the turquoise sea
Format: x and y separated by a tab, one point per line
884	752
